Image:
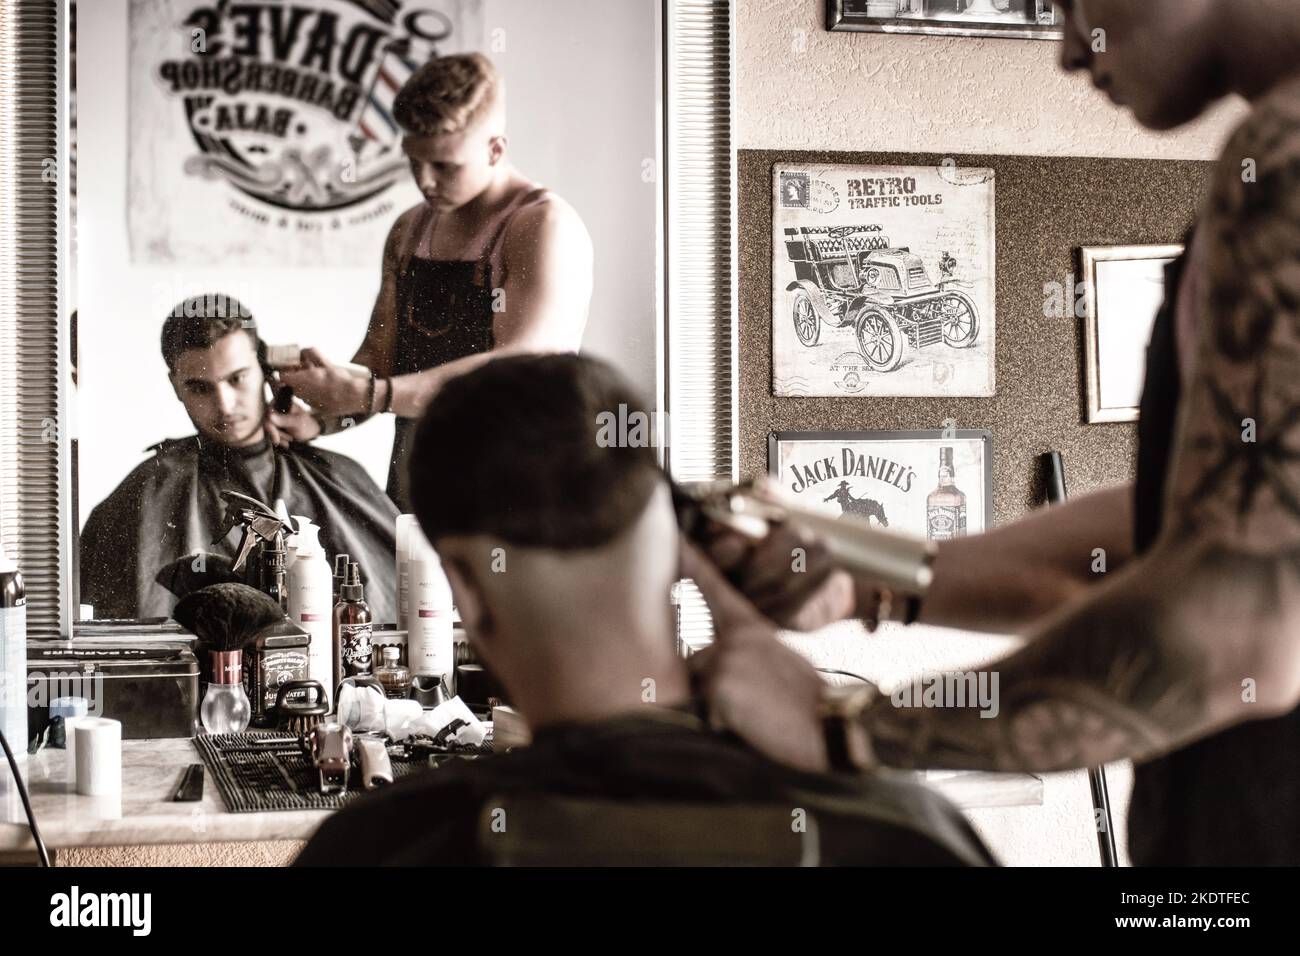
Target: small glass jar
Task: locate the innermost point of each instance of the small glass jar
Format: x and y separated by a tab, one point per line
395	679
225	708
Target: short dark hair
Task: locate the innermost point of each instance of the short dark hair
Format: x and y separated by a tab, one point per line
201	321
447	94
514	450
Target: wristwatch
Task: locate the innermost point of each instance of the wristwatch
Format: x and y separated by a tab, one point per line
848	745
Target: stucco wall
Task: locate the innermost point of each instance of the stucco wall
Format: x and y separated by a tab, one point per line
801	87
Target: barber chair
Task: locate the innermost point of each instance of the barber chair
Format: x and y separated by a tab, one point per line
547	830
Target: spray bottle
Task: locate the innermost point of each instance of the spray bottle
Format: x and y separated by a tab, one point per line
261	554
13	657
353	631
311	604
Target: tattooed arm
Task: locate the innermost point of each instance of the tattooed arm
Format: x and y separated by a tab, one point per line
1203	631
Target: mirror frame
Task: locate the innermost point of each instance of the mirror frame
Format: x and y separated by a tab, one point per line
696	321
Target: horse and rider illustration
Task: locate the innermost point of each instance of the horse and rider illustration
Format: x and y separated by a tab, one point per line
858	507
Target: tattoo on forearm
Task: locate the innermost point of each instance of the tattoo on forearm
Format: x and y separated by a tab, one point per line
1073	699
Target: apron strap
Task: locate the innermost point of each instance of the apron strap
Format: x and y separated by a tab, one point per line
412	243
490	251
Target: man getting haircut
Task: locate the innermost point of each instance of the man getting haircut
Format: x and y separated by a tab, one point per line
170	505
562	548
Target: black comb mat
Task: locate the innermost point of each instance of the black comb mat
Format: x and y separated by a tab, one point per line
253	780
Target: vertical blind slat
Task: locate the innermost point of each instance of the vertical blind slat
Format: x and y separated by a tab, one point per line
31	520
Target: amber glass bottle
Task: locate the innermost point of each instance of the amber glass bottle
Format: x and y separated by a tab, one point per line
353	628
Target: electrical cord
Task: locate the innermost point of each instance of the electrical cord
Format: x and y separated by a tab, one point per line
27	803
831	670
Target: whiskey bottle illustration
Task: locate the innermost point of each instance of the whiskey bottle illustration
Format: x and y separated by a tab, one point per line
945	508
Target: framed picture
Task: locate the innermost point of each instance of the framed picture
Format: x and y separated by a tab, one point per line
928	484
1023	19
1124	287
883	280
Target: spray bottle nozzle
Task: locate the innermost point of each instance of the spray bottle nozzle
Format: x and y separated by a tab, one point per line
352	590
259	522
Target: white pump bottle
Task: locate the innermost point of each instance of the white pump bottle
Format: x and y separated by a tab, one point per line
311	601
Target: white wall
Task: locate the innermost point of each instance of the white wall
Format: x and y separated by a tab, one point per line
801	87
582	103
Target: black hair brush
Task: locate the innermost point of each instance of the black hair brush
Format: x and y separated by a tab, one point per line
186	575
225	617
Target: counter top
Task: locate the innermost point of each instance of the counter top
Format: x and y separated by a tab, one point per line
151	769
144	814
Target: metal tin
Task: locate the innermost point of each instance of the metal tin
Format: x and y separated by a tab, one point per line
151	686
279	654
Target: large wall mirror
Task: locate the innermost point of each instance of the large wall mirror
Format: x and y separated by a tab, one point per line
243	164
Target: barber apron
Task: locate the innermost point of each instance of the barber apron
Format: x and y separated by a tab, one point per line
444	312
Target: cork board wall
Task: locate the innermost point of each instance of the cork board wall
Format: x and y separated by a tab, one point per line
1047	208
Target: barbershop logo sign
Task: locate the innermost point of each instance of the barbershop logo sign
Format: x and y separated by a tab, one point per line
267	127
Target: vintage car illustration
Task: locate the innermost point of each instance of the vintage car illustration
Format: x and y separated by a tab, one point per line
851	276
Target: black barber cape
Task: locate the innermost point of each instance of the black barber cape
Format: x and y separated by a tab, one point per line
170	506
433	818
1232	799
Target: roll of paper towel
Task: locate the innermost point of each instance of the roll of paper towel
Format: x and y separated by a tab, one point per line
99	756
71	709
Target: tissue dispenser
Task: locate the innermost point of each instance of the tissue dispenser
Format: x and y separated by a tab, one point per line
150	685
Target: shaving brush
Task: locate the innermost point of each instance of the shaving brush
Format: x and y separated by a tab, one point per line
225	617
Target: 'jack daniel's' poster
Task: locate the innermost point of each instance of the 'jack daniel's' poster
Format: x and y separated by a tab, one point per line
921	483
263	133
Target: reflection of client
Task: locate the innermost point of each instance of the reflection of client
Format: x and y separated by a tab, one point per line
170	505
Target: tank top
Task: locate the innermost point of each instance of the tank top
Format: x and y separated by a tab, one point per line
445	311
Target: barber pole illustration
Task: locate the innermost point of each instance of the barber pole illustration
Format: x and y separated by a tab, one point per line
264	132
376	124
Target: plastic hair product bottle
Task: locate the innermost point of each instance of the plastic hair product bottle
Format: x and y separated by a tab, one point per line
292	540
429	645
406	527
353	629
311	604
13	658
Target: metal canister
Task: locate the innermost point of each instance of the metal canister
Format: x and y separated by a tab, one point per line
277	655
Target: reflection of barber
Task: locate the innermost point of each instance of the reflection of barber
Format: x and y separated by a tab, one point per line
1184	656
490	263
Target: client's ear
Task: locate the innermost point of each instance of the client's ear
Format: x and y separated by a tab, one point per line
468	595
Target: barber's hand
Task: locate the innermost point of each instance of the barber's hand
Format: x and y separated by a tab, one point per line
790	575
330	390
754	685
298	424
